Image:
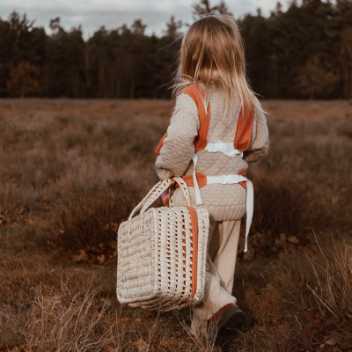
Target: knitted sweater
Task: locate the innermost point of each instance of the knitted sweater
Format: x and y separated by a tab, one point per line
224	202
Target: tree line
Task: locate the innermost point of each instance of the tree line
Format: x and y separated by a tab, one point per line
303	51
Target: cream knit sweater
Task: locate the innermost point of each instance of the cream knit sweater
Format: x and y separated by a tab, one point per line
224	202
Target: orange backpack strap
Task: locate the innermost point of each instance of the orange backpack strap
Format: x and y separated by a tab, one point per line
160	145
198	97
243	136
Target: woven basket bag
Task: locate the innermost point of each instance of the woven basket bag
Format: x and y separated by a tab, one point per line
162	253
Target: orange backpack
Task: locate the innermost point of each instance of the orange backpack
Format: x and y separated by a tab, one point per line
242	138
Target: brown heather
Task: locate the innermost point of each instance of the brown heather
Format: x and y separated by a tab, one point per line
70	171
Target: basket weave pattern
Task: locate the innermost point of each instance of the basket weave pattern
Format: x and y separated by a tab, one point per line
162	254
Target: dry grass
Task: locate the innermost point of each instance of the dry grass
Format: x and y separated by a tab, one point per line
305	297
72	170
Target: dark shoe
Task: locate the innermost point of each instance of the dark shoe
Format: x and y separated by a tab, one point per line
239	321
229	316
220	318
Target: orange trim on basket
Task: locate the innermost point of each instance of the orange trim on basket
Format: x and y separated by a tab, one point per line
198	97
243	135
194	220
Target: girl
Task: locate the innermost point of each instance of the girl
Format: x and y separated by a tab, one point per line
217	127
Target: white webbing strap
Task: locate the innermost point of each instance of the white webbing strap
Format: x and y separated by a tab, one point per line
233	179
225	179
224	148
249	211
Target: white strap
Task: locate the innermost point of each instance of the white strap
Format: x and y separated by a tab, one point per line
226	179
249	211
225	148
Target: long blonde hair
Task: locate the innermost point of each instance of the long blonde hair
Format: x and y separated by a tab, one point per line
212	53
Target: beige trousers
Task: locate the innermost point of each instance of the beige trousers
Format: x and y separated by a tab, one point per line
221	263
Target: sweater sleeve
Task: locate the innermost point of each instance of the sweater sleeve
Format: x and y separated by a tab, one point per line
260	144
177	149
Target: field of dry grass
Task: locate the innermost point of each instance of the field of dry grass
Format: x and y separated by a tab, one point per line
70	171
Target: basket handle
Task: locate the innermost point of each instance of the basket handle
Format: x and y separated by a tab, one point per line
156	191
182	186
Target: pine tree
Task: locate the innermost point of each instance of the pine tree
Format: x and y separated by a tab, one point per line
138	27
173	28
204	7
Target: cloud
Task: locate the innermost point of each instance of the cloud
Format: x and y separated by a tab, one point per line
92	14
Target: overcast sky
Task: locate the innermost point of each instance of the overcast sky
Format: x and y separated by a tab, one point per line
92	14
